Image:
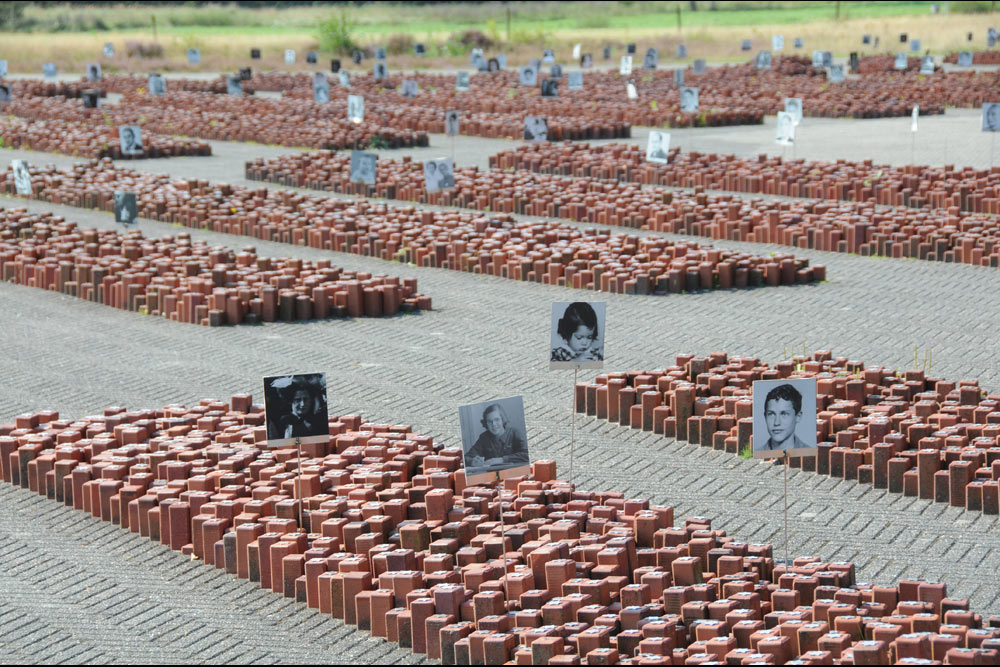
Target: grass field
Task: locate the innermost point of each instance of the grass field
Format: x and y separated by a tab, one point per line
226	34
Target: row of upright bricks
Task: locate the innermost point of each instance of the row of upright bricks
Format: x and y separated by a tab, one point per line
396	543
91	141
902	431
915	186
493	244
189	281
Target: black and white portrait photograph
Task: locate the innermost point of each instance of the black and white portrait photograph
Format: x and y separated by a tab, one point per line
419	49
550	88
991	37
900	62
194	56
451	123
289	56
312	57
295	409
835	74
363	167
555	72
587	60
902	38
548	56
630	48
3	68
94	72
157	84
699	66
344	79
502	60
254	54
576	339
651	59
245	74
991	117
130	137
528	76
126	208
462	80
357	56
22	179
965	59
682	51
915	45
4	93
355	108
494	438
475	55
854	61
785	132
439	174
334	65
827	58
607	53
321	89
817	59
630	91
798	42
746	45
866	39
233	85
793	105
91	98
763	60
927	65
481	64
109	50
625	68
492	65
536	128
574	80
777	42
380	70
678	77
689	100
658	147
576	50
784	417
410	88
50	71
380	53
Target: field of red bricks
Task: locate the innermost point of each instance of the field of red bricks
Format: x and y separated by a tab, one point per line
903	431
380	528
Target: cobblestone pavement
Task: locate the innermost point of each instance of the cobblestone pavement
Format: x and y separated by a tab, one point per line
485	338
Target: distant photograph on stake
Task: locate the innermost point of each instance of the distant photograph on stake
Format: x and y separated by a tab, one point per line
295	409
784	418
576	337
494	439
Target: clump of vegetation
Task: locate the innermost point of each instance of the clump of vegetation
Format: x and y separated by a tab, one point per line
336	34
134	49
399	44
473	39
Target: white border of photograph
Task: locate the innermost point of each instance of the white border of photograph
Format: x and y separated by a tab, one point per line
558	342
470	419
271	410
805	427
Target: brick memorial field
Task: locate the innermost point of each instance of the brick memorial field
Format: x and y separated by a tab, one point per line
379	527
613	509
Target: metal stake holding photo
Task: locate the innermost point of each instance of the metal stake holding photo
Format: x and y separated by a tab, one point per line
572	431
786	510
302	501
503	540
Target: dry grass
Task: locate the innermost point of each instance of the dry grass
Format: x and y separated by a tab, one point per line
229	48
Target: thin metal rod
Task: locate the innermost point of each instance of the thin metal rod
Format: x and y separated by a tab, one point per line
572	431
786	511
302	501
913	147
503	540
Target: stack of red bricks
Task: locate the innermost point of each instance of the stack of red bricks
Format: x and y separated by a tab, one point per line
914	186
189	281
546	252
978	58
45	88
394	541
225	118
902	431
886	62
90	140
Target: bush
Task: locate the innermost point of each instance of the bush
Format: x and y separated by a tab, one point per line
473	39
11	14
335	34
143	50
399	44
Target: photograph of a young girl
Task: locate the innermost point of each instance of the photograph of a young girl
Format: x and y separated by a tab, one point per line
577	335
